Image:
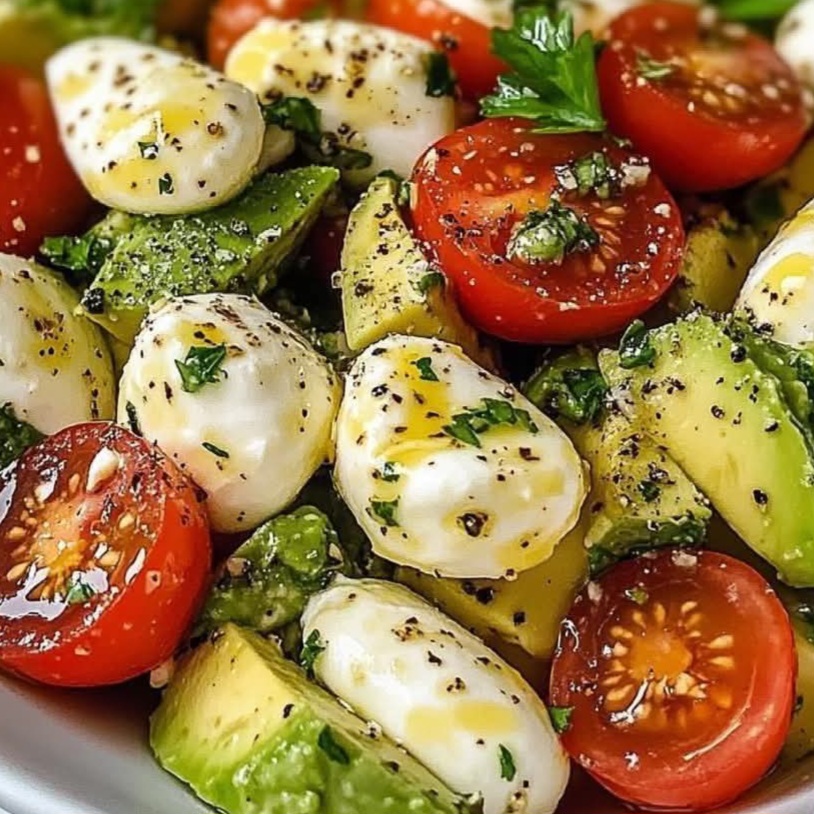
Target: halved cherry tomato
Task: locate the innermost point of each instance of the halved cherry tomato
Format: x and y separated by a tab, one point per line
677	703
104	558
231	19
39	193
714	106
473	188
467	42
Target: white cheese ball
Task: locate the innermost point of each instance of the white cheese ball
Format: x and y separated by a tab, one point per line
794	41
151	132
488	505
55	368
370	84
440	692
257	428
779	290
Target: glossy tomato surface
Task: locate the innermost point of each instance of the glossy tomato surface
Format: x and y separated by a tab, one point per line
104	557
712	105
40	194
474	187
679	669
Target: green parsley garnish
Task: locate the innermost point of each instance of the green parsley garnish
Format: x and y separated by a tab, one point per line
148	150
79	591
425	370
648	490
649	68
600	559
201	366
635	349
591	173
467	426
554	74
637	594
576	394
17	436
132	418
548	235
508	770
82	257
560	718
311	650
430	280
335	752
388	472
440	78
166	185
217	451
385	510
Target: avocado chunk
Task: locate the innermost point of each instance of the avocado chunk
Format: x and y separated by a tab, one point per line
32	30
239	247
717	257
267	582
800	740
248	731
388	286
15	436
697	393
526	611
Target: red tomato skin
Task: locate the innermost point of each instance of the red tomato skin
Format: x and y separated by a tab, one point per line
466	42
40	194
664	780
690	152
490	300
142	625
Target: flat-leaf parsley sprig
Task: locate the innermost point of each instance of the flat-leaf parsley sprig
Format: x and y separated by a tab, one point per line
553	79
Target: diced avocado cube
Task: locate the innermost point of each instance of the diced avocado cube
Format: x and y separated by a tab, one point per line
388	286
239	247
726	422
252	735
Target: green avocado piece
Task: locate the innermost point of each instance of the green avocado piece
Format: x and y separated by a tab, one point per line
697	393
251	735
32	30
800	740
15	436
239	247
267	582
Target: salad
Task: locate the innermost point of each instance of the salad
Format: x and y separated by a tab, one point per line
419	392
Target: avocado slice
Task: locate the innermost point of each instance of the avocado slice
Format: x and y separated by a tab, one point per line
726	422
388	286
238	247
248	731
800	740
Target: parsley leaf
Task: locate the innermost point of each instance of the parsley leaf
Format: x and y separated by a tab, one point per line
440	78
508	770
590	173
16	436
425	370
548	235
635	349
468	425
560	718
574	393
335	751
385	510
637	594
649	68
311	651
388	472
79	591
201	366
81	256
648	490
166	185
554	74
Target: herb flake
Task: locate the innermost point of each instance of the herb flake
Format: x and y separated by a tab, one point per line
425	370
560	718
508	770
311	651
468	425
335	751
653	69
216	451
440	78
201	366
635	349
549	235
385	511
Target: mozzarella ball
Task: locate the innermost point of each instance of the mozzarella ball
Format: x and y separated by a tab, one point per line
447	468
440	692
151	132
794	41
779	290
55	369
370	84
240	400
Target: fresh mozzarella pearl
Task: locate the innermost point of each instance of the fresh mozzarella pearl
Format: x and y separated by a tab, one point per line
795	41
440	692
779	290
151	132
370	84
490	506
256	432
55	369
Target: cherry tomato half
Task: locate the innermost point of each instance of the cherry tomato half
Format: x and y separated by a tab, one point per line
713	106
231	19
104	558
677	703
466	42
39	193
475	186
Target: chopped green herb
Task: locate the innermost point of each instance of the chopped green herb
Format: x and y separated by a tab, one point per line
591	173
81	256
425	370
635	349
388	472
440	78
148	150
649	68
548	235
648	490
79	591
201	366
600	559
385	510
132	418
16	436
576	394
165	185
637	594
335	752
560	718
467	426
430	280
311	650
508	770
554	74
220	453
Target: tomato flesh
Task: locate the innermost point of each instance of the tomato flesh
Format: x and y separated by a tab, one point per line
670	687
713	106
473	188
104	558
39	193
